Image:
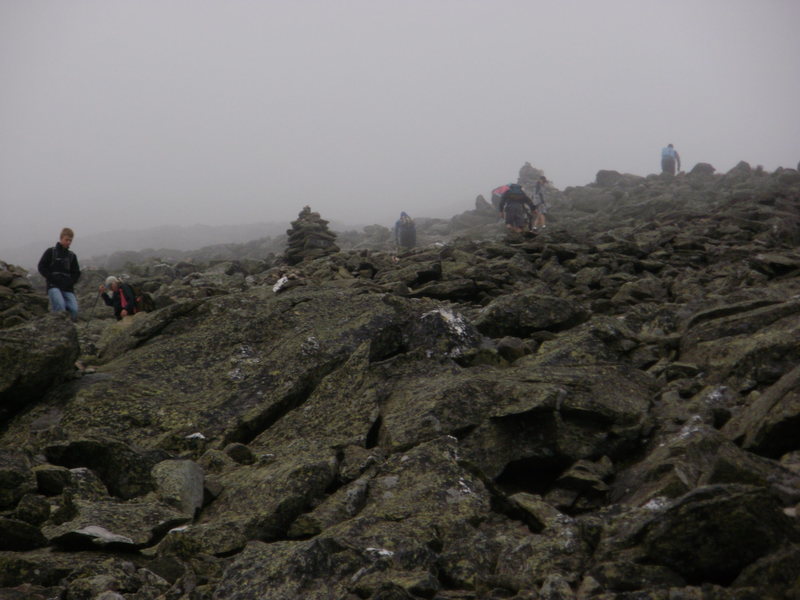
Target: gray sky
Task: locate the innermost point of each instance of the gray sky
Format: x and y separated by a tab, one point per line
121	114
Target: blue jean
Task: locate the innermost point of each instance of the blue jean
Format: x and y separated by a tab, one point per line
63	301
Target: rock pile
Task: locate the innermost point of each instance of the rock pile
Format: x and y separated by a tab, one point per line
607	411
309	238
18	300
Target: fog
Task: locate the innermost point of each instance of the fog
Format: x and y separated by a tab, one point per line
128	114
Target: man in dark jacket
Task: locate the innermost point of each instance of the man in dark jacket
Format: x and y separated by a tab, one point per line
59	266
515	207
405	232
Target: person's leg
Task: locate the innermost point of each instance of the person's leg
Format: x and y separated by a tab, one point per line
57	302
71	302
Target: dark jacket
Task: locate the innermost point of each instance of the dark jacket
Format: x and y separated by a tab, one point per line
405	232
515	195
115	300
59	266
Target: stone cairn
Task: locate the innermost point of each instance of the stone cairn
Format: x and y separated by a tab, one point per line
528	175
309	238
18	301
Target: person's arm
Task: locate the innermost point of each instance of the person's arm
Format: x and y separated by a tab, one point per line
107	298
45	263
75	269
678	160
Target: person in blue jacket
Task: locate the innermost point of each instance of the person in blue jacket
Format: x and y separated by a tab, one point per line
670	159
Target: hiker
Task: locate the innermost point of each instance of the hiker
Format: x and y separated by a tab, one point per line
670	159
121	298
540	207
405	232
59	266
497	193
512	208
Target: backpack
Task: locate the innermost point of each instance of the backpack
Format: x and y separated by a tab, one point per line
144	301
667	152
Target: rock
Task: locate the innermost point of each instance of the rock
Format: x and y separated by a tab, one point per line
18	535
240	453
16	477
769	425
524	313
51	479
84	484
702	170
512	348
33	509
713	533
33	357
179	483
125	472
114	525
698	456
747	347
18	302
607	178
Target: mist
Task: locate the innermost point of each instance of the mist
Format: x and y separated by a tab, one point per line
133	114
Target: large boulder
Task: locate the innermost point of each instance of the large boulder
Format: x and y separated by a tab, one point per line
714	532
18	301
16	477
113	524
745	344
33	357
769	425
523	313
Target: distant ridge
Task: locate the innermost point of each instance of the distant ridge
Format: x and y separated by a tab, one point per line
175	237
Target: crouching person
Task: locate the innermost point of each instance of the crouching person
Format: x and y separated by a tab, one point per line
118	295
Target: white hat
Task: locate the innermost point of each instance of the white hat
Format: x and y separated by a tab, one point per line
111	279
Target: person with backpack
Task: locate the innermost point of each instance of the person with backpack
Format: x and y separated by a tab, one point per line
540	207
405	232
670	159
497	193
515	207
60	269
121	298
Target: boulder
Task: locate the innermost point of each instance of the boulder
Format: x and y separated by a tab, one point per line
698	456
123	470
179	483
714	532
523	313
33	357
19	535
16	477
702	170
769	425
113	524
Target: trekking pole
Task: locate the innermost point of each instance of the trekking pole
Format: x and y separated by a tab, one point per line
91	312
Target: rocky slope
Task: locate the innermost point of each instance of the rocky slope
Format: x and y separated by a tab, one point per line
606	410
